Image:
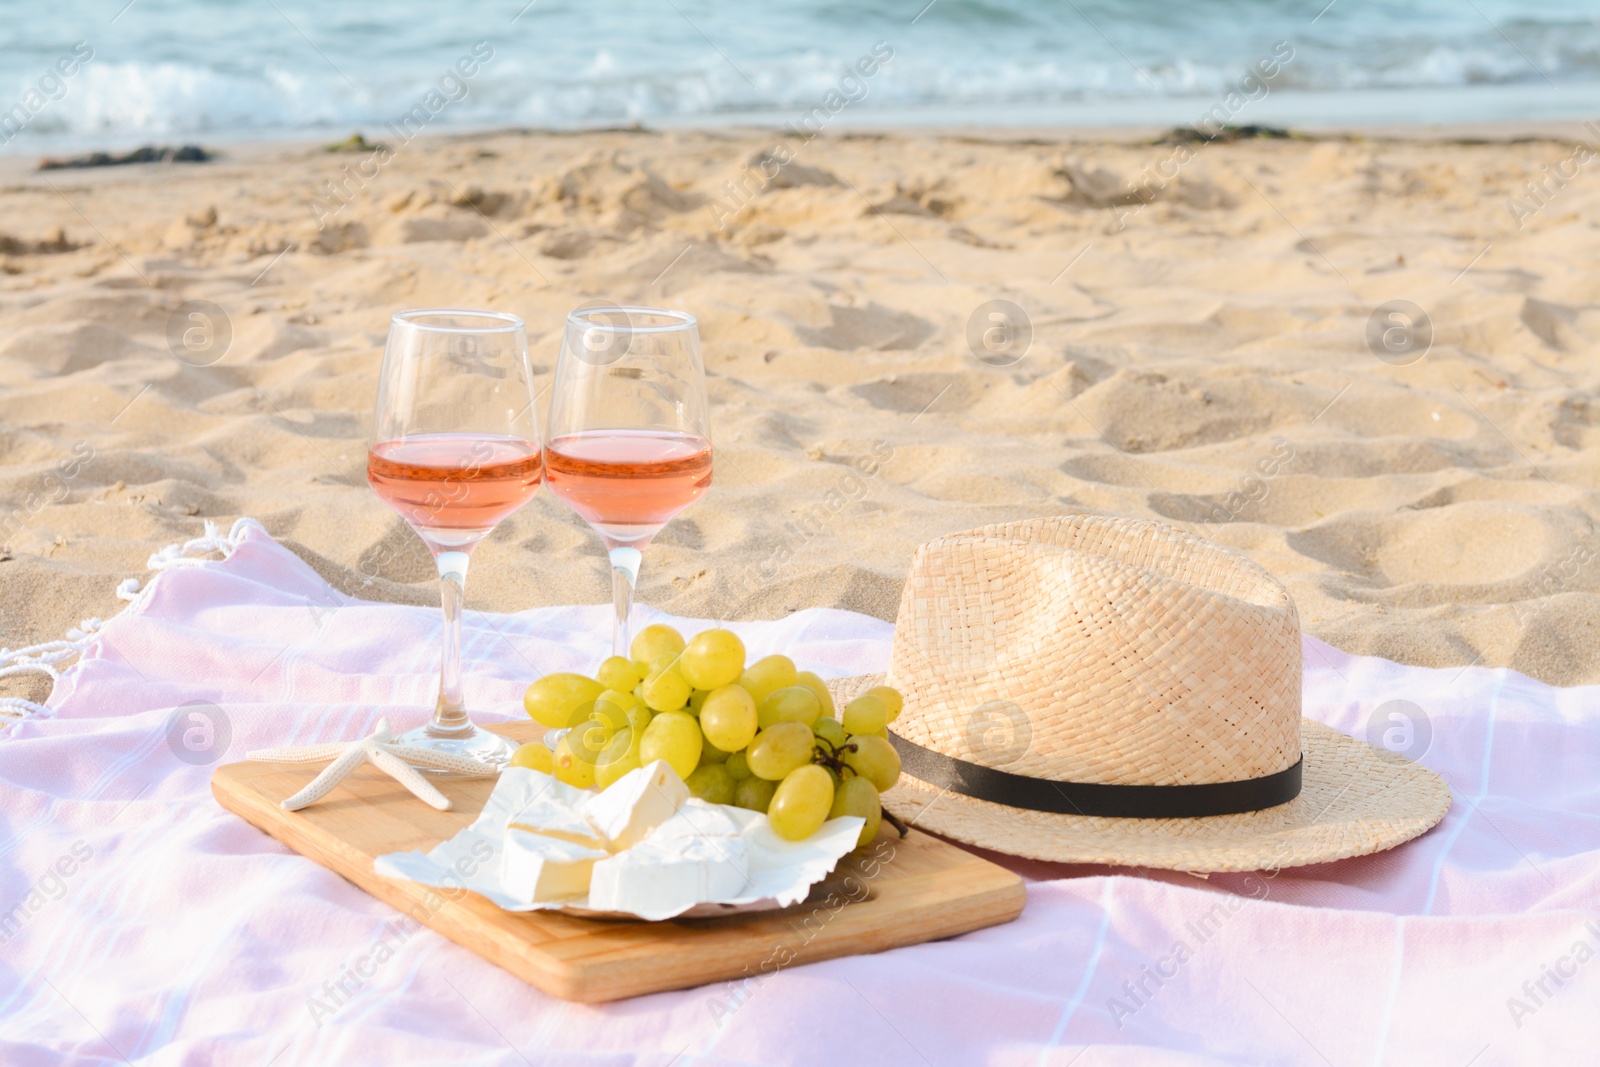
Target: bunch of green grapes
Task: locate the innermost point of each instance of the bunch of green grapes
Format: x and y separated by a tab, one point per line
764	736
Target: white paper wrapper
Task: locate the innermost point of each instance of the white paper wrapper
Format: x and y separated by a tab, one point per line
781	872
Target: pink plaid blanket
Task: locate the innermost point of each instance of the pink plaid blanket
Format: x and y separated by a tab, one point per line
140	923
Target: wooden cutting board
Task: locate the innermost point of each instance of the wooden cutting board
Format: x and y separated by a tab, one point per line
899	891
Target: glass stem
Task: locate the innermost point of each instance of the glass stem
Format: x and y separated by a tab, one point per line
624	576
450	715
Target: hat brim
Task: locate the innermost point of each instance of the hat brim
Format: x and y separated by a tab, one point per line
1355	799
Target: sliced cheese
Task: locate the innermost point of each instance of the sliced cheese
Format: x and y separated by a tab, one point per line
696	856
557	817
537	868
636	804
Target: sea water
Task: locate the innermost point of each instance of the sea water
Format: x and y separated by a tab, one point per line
217	70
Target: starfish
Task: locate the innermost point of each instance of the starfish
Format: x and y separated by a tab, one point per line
380	749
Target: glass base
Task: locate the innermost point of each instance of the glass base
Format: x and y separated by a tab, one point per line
472	742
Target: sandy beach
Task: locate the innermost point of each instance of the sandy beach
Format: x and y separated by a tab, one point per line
1199	353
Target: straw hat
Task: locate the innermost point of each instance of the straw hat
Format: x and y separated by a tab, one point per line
1108	690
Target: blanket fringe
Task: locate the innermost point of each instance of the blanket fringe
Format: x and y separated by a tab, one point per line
50	657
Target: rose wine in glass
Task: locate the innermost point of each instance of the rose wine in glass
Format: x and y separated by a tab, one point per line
628	483
629	443
455	450
451	486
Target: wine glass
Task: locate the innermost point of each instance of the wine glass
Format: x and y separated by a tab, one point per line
455	449
630	444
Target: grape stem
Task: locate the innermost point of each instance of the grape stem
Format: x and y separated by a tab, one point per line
832	756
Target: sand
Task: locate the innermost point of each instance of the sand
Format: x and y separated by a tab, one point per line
1200	358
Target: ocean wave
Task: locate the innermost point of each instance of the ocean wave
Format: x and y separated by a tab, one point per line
163	99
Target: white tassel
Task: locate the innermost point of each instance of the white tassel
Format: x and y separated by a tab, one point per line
47	658
37	659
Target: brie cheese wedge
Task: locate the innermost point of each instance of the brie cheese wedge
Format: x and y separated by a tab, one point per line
538	868
695	856
635	804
